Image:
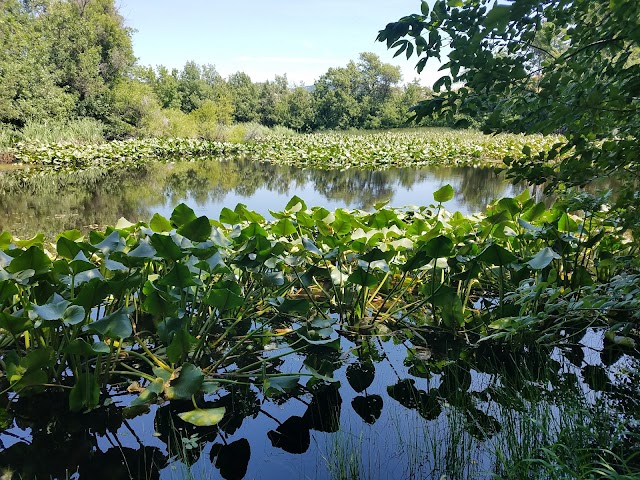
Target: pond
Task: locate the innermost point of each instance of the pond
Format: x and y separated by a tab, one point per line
331	394
84	200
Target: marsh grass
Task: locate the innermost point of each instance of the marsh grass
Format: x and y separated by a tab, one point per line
80	131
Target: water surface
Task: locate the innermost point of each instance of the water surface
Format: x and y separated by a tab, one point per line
51	204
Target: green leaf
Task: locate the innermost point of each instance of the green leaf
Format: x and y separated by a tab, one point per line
180	345
496	255
283	228
439	247
166	247
182	215
229	217
443	194
184	382
5	240
179	276
543	258
363	277
73	315
223	299
15	324
295	205
497	18
160	224
143	250
197	230
116	325
201	417
281	384
149	394
67	248
112	243
31	259
79	346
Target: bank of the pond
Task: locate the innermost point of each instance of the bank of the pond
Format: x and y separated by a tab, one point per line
331	150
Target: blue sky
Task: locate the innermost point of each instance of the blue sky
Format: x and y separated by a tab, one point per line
266	38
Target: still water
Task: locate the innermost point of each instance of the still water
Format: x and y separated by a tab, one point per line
402	408
406	404
50	204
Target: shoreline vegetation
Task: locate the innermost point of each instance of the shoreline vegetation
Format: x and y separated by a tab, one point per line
417	147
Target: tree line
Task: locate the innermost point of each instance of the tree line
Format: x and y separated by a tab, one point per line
63	60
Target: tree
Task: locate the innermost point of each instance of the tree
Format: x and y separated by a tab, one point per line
245	97
60	58
547	66
89	48
29	86
298	109
271	98
166	88
353	96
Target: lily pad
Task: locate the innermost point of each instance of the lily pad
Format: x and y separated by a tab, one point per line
201	417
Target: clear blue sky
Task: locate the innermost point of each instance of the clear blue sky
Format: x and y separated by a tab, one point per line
266	38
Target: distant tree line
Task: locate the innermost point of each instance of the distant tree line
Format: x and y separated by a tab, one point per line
63	60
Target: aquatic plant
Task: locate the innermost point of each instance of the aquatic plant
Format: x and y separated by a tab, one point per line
370	150
187	304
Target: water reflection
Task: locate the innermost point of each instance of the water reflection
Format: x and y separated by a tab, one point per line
464	414
83	200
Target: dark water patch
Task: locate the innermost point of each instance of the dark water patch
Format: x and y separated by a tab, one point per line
394	412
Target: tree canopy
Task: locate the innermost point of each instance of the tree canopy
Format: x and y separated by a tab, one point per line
568	66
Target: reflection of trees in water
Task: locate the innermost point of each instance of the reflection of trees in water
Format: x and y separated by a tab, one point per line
474	187
53	204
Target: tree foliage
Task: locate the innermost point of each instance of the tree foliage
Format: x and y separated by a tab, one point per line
567	66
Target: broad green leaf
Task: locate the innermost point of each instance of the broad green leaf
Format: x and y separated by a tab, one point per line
283	228
197	230
67	248
281	383
184	382
160	224
229	217
295	205
180	345
543	258
112	243
143	250
443	194
79	346
179	276
223	299
202	417
166	247
73	315
15	324
5	240
149	394
496	255
182	215
31	259
363	277
36	241
439	247
116	325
